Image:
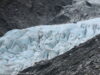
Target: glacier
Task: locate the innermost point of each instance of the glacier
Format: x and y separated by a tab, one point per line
21	48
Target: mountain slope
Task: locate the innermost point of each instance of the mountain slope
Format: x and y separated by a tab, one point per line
81	60
16	14
26	13
38	43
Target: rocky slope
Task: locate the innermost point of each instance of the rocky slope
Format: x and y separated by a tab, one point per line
81	60
25	13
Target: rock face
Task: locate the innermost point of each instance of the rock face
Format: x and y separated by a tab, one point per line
81	60
81	10
25	13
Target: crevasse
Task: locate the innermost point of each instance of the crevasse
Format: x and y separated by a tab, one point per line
20	49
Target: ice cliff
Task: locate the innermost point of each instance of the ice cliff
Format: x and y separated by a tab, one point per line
20	49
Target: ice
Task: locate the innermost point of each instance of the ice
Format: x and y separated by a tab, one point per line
94	2
21	48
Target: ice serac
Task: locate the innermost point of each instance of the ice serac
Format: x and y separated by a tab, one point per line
20	49
81	60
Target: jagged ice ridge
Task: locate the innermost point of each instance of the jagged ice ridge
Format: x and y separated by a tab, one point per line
20	49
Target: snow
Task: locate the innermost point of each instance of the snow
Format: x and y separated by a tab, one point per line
20	49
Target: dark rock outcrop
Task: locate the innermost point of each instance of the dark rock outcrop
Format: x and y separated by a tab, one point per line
26	13
81	60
